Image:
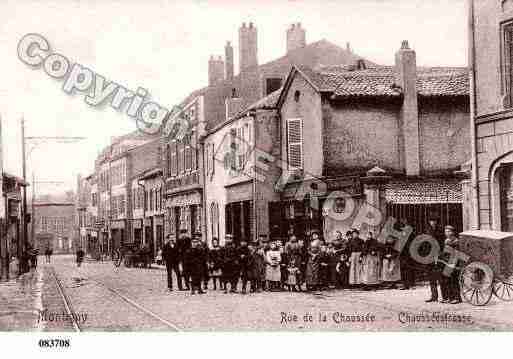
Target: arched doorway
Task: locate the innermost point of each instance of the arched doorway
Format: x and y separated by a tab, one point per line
505	177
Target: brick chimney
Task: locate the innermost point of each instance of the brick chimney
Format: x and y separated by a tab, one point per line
215	70
228	57
296	37
406	78
248	48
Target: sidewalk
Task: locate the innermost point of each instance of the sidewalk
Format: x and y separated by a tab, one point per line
20	302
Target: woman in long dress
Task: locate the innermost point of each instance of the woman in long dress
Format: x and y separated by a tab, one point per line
273	269
313	267
371	262
391	270
355	260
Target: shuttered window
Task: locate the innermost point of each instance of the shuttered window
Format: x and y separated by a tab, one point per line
295	143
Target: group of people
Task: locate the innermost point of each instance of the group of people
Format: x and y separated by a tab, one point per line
273	265
347	261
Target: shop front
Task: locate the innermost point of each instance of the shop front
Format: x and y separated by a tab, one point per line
303	207
184	212
239	212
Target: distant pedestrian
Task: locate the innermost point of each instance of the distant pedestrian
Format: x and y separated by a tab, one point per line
80	254
171	257
48	254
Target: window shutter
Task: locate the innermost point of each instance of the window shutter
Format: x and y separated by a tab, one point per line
295	142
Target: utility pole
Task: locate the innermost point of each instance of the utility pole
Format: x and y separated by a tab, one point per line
22	247
33	211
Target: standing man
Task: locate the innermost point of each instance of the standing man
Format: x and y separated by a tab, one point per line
231	265
184	244
406	262
48	254
171	255
450	284
195	260
434	274
80	256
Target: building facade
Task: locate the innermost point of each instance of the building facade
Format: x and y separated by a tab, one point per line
227	96
55	227
115	169
490	55
390	139
183	174
239	183
10	224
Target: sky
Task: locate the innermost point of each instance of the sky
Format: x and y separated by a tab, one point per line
164	47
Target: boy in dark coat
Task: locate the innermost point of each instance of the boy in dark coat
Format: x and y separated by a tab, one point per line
245	265
215	263
231	265
195	260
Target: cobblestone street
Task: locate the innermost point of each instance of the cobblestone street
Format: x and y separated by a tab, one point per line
104	297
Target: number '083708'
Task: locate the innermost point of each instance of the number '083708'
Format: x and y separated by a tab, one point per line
54	343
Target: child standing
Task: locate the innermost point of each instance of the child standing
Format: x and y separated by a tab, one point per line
293	276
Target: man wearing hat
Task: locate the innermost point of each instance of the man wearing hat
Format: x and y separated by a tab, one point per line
195	261
203	244
450	284
231	265
184	243
170	254
433	270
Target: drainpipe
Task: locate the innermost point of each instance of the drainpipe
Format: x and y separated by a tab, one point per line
143	186
473	105
201	142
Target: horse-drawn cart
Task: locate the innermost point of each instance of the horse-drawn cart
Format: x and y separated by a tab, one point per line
133	256
489	268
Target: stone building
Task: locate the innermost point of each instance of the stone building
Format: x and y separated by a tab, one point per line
87	216
114	171
490	57
237	193
392	138
224	98
55	226
183	170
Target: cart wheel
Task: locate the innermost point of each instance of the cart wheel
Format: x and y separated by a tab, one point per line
127	262
476	283
503	290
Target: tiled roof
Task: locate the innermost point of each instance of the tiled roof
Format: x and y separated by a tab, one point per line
269	101
380	81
